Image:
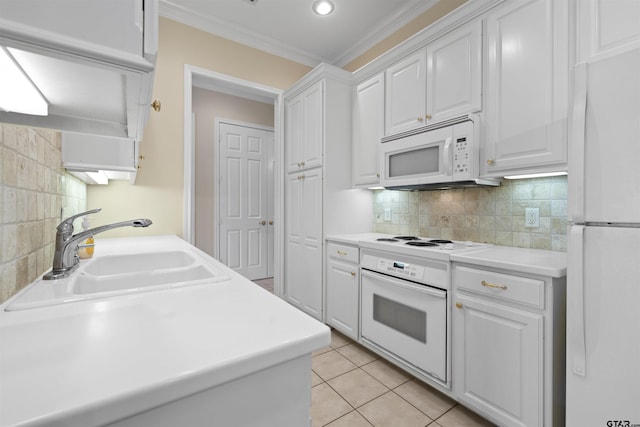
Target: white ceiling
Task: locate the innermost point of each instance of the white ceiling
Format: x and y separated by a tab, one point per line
289	28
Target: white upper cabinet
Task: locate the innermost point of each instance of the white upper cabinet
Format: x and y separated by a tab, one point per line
525	127
454	74
92	61
405	101
368	129
437	83
607	27
304	117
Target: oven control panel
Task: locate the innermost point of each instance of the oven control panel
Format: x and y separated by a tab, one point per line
401	269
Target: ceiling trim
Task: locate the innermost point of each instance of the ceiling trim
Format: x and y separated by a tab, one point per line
240	35
252	39
387	28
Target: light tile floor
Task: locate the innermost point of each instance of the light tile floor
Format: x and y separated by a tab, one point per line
353	387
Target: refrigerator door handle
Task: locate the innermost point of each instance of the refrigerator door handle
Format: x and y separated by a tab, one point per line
576	343
577	145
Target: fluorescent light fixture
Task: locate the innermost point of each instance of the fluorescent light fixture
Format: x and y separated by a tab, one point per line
17	92
99	177
323	7
535	175
375	188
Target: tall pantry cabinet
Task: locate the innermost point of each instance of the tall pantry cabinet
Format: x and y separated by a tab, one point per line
319	199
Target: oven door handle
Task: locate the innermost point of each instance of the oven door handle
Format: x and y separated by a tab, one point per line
406	284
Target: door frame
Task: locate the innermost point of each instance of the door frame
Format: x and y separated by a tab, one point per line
216	167
200	77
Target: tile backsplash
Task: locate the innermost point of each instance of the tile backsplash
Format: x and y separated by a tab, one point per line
35	193
489	214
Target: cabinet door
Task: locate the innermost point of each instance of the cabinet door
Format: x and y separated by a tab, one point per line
313	126
454	73
303	254
304	125
342	297
405	101
368	128
527	88
498	360
607	27
293	134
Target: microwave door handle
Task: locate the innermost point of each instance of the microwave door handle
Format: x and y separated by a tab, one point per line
446	157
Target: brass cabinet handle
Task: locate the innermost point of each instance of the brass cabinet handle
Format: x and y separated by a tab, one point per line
428	116
491	285
341	253
458	305
353	274
490	162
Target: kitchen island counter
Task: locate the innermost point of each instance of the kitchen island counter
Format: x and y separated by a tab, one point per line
103	360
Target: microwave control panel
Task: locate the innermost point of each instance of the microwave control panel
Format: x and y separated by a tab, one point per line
461	156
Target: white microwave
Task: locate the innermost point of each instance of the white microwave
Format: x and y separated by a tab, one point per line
438	156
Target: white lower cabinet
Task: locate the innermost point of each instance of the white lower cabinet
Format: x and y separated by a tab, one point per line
303	249
343	288
508	351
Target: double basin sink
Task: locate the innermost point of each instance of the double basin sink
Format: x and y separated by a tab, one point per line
117	274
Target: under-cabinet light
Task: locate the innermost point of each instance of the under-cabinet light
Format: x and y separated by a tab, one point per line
17	92
535	175
99	177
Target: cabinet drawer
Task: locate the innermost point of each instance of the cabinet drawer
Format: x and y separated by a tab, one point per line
342	252
507	287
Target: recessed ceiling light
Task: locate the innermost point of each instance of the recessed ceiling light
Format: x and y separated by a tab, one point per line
323	7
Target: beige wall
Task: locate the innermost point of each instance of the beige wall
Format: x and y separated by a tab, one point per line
209	106
491	214
436	12
35	192
158	192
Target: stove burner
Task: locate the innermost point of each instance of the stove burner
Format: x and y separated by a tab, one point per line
414	243
385	239
407	238
444	242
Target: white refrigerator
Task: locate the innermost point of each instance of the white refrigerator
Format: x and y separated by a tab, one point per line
603	274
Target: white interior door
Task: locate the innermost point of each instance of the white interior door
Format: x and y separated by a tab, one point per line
244	189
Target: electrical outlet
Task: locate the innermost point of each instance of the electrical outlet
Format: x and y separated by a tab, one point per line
387	214
532	217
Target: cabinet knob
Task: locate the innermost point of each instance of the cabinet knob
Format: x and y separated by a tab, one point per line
491	285
302	164
458	305
156	105
300	176
263	222
378	175
271	222
420	119
428	116
353	274
490	162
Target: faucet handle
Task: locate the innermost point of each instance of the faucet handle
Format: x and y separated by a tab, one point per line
66	226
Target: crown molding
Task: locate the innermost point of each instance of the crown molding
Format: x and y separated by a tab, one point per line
223	29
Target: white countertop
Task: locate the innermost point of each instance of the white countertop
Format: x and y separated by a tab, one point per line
95	361
533	261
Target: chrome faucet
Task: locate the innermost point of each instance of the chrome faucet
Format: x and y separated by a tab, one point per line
65	259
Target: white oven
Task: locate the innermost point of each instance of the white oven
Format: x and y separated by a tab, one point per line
406	316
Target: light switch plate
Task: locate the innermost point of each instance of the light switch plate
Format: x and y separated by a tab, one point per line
387	214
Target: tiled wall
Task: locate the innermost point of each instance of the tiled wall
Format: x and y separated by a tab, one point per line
492	215
35	192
